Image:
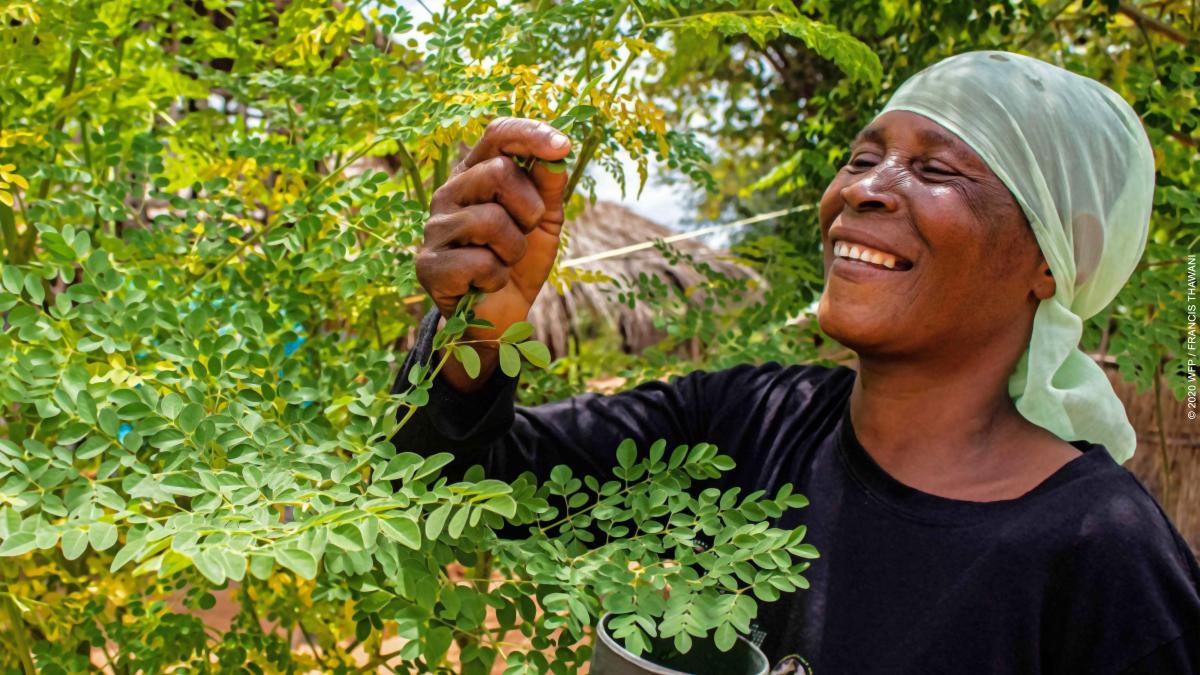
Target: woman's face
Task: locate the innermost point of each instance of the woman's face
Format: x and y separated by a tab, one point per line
952	264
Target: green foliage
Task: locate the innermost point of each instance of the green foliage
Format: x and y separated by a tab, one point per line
782	146
653	570
852	56
208	214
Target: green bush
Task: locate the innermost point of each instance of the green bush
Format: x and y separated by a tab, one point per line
205	274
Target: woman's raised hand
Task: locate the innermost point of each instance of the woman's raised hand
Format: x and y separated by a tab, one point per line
495	226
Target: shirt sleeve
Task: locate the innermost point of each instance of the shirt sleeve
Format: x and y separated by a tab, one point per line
753	414
1132	603
486	427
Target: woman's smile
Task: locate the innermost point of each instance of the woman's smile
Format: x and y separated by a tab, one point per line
861	256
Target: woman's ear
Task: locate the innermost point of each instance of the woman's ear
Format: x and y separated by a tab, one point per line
1043	285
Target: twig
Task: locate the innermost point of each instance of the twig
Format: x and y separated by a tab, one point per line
1154	24
22	636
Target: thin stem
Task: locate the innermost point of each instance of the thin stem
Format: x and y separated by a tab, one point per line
1153	24
316	654
440	168
21	636
594	138
44	189
414	173
8	227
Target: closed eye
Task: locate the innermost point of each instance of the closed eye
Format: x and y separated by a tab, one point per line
862	162
937	169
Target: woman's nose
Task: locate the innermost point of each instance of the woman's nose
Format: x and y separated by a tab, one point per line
874	190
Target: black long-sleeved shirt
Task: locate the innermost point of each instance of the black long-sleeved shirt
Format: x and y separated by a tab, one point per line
1083	574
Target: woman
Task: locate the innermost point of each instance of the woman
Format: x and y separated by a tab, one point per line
967	498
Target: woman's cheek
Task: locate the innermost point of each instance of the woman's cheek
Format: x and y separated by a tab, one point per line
831	201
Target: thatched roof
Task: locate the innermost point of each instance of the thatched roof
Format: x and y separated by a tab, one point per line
604	226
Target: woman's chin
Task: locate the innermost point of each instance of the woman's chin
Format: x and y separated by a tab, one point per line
861	327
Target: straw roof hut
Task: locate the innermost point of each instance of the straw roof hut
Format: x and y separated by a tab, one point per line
605	226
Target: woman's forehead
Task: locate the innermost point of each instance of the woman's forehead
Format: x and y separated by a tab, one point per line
893	125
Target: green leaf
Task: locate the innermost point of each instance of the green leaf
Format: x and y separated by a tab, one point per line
397	465
432	464
683	643
723	463
13	278
108	421
232	562
537	353
171	405
179	484
18	544
190	417
208	563
656	450
102	535
346	537
130	551
854	58
517	332
469	359
436	642
74	543
459	522
33	285
502	504
626	453
297	560
510	360
725	638
678	455
86	406
403	531
436	521
261	566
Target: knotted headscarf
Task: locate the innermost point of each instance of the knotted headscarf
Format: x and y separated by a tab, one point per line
1075	156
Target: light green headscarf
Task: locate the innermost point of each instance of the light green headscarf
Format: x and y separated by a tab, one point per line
1075	156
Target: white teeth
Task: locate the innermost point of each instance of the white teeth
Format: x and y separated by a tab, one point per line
855	252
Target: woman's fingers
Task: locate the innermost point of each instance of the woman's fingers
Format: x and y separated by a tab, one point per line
449	273
487	225
494	223
517	136
498	179
511	136
551	186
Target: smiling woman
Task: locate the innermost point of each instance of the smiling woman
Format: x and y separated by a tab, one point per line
967	498
953	315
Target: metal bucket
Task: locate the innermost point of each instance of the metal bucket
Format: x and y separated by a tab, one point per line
610	658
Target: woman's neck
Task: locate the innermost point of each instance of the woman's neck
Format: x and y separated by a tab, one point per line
952	431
